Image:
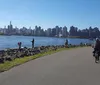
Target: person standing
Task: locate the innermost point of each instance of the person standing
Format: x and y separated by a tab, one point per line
19	44
66	43
32	43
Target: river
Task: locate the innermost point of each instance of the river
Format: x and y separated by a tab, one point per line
11	41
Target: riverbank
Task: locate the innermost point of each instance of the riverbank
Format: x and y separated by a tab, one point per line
78	37
6	65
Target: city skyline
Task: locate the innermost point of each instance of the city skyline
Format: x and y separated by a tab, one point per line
51	32
48	14
68	28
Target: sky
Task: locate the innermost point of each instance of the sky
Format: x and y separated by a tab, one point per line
49	13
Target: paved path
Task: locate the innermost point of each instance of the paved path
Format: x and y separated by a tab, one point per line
71	67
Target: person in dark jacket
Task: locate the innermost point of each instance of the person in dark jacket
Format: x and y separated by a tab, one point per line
97	46
66	43
32	43
19	44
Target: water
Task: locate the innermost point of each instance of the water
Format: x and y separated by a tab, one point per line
11	41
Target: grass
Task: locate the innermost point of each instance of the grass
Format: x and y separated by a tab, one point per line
18	61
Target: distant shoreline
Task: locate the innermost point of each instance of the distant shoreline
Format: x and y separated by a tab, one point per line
51	36
78	37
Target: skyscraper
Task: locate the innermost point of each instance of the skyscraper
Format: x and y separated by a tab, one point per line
64	32
10	28
57	30
49	31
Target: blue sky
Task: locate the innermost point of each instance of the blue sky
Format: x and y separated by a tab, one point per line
49	13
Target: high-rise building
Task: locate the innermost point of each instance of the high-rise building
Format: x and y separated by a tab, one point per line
42	33
53	32
57	30
17	31
64	32
29	31
23	31
4	30
49	31
37	31
10	28
60	32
